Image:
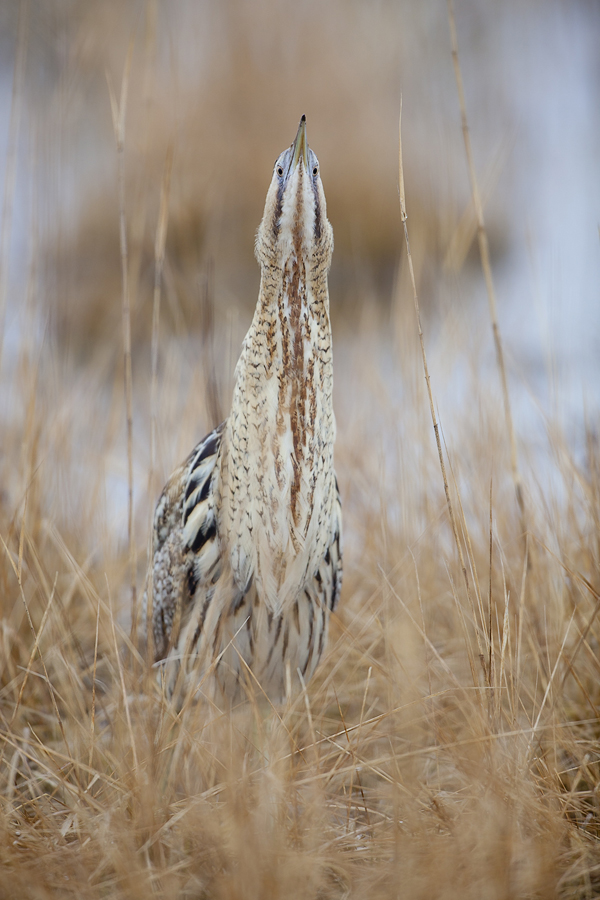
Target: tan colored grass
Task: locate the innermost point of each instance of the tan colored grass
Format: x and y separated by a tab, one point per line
447	746
416	774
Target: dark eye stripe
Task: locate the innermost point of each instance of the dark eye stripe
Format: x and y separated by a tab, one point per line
278	208
317	228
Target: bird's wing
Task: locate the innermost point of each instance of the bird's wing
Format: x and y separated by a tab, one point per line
327	582
185	552
199	520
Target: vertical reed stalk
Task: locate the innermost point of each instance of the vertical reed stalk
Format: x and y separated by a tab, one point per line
118	114
11	160
159	258
484	253
436	430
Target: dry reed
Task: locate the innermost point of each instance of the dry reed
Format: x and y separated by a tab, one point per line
448	744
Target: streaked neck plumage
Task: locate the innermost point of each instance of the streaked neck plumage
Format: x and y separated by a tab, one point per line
276	475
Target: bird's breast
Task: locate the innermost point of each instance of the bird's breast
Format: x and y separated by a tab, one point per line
277	463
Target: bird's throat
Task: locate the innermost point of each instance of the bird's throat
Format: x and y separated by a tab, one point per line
296	396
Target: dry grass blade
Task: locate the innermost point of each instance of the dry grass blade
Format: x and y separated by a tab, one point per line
119	111
11	162
159	258
32	656
484	252
37	649
94	670
124	696
490	631
436	430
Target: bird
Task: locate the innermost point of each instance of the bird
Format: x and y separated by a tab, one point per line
246	550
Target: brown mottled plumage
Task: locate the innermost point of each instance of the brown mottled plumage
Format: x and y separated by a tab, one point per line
246	556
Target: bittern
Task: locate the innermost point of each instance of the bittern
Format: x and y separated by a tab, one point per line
247	555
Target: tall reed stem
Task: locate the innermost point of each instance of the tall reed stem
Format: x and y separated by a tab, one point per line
484	253
118	114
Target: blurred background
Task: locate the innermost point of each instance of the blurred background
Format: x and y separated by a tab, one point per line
221	86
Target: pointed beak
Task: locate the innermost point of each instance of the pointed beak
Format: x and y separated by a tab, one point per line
300	146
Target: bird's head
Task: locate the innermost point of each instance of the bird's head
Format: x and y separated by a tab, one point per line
295	221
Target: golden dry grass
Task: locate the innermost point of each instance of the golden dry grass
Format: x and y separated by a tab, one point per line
448	746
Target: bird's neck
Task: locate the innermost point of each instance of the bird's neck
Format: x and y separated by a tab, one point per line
280	434
284	378
290	333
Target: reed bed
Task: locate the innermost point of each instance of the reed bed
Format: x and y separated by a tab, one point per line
448	745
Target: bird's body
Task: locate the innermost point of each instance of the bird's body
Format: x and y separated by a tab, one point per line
246	550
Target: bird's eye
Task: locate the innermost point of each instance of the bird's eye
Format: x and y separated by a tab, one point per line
280	171
315	171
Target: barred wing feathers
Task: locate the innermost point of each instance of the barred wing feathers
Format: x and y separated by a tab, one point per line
185	552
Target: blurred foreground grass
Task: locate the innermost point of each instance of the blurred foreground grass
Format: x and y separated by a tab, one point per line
448	745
